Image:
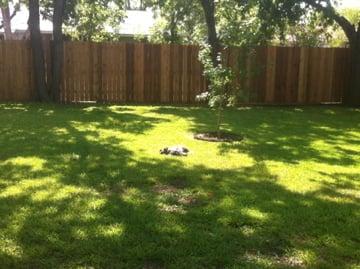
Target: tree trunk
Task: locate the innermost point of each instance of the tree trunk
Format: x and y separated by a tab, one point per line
173	29
58	48
5	12
352	93
37	50
213	40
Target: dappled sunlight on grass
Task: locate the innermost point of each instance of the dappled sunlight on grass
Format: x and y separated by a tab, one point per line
33	163
87	187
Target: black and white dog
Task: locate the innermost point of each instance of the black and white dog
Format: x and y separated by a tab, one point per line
175	150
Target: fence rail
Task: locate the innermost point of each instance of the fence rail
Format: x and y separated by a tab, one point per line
148	73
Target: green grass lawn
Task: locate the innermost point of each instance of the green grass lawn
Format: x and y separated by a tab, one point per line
87	187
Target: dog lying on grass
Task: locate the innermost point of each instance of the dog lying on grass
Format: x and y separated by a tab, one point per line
175	150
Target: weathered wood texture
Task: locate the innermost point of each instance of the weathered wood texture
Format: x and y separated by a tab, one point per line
147	73
16	72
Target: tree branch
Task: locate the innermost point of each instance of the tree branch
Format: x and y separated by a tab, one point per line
330	12
11	17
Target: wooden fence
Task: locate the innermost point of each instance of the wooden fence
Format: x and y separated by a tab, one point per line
147	73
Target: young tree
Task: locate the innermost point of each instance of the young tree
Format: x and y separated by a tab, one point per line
218	76
232	20
211	62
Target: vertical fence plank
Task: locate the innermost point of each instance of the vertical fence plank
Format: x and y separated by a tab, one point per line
259	74
174	73
184	75
147	73
328	75
64	91
312	76
157	70
122	72
303	75
138	73
129	72
270	75
165	73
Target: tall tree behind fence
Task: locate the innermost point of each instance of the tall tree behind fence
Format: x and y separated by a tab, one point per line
146	73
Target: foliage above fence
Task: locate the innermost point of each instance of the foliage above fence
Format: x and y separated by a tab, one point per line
147	73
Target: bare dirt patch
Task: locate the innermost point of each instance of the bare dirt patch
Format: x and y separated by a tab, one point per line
175	199
165	189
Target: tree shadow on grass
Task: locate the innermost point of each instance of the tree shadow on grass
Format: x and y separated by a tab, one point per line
63	125
109	208
235	219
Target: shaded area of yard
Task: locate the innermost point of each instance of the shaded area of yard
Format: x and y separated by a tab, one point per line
86	186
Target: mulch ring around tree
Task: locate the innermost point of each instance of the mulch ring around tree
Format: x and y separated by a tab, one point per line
213	137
